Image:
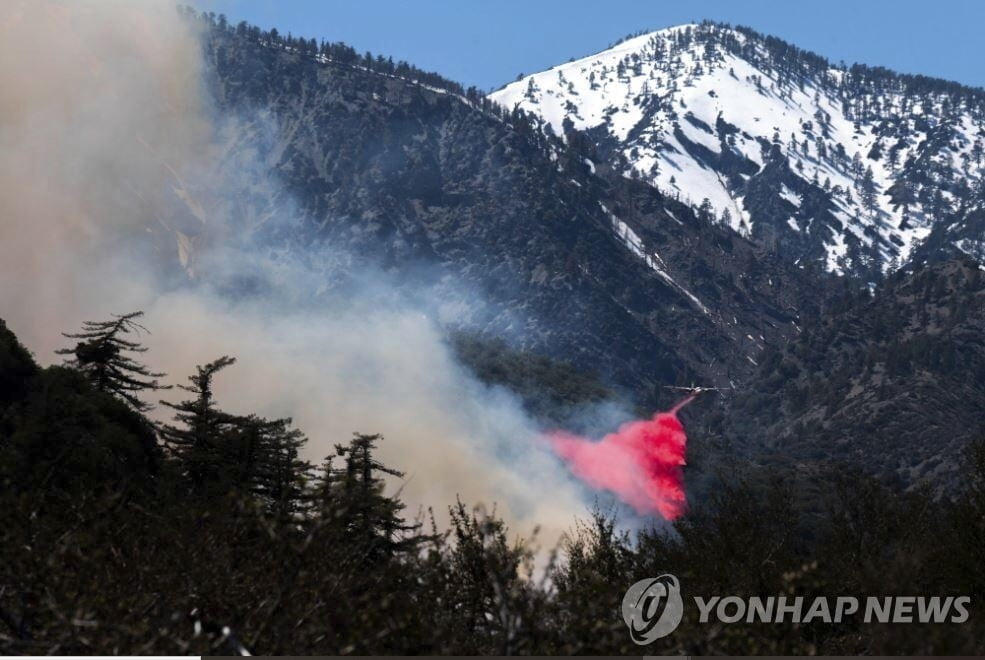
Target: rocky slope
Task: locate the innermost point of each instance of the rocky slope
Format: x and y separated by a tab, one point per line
848	167
893	382
441	189
539	238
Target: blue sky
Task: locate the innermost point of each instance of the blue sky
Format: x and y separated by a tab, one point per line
487	43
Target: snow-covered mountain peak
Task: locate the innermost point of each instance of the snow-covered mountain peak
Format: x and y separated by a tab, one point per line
847	167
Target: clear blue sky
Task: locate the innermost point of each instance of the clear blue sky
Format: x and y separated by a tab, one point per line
486	43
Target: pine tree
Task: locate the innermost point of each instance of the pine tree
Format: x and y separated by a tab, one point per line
867	190
857	165
893	158
264	456
199	444
706	211
101	354
371	519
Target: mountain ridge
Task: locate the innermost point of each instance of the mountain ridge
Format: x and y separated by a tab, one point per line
396	174
892	381
570	259
851	168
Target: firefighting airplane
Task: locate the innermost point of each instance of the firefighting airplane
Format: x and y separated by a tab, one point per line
693	389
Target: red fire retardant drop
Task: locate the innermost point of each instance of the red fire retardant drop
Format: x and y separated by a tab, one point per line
641	463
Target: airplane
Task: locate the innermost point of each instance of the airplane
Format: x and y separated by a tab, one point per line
693	389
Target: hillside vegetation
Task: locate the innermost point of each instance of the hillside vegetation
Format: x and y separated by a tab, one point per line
209	535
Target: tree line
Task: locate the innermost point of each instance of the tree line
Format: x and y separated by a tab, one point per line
211	534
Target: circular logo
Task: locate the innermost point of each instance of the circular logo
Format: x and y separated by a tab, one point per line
653	608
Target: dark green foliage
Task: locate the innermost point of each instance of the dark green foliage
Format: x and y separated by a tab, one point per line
481	578
265	456
590	584
370	520
552	391
108	547
219	452
17	368
58	433
102	355
201	441
339	52
893	382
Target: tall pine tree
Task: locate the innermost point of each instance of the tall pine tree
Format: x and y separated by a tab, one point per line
264	456
356	500
200	443
102	355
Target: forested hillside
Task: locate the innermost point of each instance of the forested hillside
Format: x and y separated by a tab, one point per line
847	167
705	206
459	196
892	381
208	536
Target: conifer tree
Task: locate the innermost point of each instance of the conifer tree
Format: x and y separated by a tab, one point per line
706	211
199	443
265	458
102	355
371	518
868	191
320	494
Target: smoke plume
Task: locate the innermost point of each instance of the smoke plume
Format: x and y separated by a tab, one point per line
113	169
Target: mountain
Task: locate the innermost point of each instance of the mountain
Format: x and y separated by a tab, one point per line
540	240
557	277
849	167
893	382
436	186
961	234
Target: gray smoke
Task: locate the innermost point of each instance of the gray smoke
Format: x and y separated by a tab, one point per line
112	176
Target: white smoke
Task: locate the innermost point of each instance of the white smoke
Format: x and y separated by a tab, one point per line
104	130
